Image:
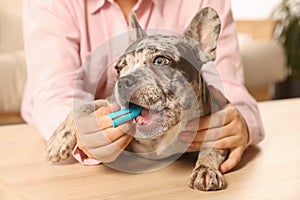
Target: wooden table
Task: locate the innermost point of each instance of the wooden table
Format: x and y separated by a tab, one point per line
269	171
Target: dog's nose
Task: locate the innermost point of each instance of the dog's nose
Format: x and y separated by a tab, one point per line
126	82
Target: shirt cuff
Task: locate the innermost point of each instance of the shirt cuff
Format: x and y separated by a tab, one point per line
255	130
82	158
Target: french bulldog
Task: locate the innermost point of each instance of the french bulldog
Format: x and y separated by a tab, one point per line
162	74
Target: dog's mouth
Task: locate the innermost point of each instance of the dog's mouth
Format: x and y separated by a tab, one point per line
147	116
150	121
161	110
153	121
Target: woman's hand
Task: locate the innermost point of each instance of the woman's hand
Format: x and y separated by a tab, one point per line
225	129
96	137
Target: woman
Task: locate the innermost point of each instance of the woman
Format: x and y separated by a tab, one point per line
60	34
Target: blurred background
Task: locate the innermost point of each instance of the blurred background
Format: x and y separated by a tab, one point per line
264	27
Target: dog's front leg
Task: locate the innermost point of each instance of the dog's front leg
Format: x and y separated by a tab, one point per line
62	142
206	175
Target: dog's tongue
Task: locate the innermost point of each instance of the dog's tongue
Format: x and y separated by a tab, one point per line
145	117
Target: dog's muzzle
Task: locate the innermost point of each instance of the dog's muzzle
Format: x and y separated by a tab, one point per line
147	95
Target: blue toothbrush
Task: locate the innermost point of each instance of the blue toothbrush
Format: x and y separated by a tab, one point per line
124	115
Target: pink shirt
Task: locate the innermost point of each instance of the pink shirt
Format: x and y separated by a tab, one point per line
60	34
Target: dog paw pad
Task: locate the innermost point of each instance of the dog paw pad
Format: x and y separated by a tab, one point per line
206	179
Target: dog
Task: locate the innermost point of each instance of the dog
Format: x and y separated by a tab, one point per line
162	74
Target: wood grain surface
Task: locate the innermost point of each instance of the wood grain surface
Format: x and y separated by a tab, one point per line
270	170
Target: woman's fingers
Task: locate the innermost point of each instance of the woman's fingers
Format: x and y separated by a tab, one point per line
104	122
224	143
208	135
101	114
112	134
96	137
110	152
233	159
96	121
122	142
225	129
105	137
105	110
217	119
103	143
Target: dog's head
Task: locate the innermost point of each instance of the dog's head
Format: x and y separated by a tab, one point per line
162	73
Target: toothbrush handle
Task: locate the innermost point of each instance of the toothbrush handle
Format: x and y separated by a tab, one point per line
118	113
121	120
124	115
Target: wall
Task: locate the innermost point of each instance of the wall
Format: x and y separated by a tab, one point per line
11	38
254	9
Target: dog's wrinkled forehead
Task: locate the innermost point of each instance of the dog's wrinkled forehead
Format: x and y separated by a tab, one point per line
195	46
178	46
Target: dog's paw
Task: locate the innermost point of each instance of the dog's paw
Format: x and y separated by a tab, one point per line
60	145
206	179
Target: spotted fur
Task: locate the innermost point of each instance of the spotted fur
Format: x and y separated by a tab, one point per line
176	89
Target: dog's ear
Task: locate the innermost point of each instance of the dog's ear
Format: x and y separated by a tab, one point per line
135	30
205	27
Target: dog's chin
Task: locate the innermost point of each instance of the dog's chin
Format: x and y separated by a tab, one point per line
150	124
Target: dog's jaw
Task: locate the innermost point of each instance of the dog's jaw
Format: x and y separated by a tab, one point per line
152	123
161	112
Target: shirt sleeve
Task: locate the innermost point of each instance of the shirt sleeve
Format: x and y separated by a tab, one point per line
82	158
53	64
229	68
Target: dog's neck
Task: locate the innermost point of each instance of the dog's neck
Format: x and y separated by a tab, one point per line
207	105
204	99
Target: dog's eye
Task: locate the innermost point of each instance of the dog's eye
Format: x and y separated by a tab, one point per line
160	61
